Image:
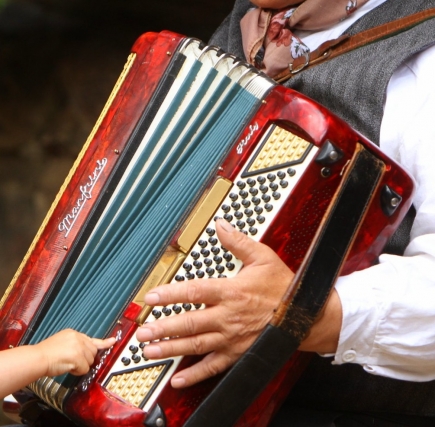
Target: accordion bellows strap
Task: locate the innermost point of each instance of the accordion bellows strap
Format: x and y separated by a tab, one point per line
189	134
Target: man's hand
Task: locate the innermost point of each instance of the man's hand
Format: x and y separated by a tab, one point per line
237	310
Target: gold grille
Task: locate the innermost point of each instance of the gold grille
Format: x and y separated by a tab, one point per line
280	148
134	386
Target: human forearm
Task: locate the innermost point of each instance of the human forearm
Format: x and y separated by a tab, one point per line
20	366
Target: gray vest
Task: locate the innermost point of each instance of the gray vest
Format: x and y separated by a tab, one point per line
353	86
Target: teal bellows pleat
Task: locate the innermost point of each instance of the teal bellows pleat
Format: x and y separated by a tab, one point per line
149	206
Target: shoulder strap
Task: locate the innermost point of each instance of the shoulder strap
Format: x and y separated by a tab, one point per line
345	43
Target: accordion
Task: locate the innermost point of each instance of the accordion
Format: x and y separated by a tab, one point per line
189	133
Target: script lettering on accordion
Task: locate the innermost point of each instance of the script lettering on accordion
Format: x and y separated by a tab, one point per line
85	194
252	129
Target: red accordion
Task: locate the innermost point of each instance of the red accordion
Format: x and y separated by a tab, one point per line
189	134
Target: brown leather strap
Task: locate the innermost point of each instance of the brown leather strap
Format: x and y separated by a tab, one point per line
346	43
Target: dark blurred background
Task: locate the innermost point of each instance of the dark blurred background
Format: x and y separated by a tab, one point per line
59	60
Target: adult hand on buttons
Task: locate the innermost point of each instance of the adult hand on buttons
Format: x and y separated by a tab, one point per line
237	310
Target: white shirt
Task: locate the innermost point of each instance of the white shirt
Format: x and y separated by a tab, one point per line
389	309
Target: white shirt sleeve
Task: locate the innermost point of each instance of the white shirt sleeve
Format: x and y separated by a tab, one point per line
389	309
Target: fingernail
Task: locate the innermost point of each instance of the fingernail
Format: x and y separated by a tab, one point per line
226	225
178	382
152	298
152	352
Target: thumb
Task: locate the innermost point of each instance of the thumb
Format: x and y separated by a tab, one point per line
240	245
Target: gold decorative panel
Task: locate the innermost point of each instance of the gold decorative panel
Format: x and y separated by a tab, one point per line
280	148
134	386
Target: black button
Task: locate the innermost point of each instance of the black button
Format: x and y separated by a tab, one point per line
220	268
141	345
208	262
235	206
249	212
253	191
166	311
273	186
276	195
228	217
230	266
260	219
210	271
197	264
210	231
156	313
187	306
194	254
240	224
205	252
271	177
243	194
176	308
133	348
179	278
281	174
258	210
241	184
222	276
264	188
291	171
233	196
197	306
226	208
261	179
136	358
126	361
200	274
217	259
250	221
251	182
227	256
253	231
238	214
189	276
212	241
268	207
283	183
256	200
187	266
246	203
215	250
265	197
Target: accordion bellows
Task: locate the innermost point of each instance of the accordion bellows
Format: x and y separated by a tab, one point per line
189	134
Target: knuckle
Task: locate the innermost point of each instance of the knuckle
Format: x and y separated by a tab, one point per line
194	292
197	345
189	325
214	368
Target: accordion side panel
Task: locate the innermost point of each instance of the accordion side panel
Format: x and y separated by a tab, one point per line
82	189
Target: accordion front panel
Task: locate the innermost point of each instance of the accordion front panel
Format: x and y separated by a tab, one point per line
191	134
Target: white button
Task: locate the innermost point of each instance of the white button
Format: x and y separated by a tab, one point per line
349	356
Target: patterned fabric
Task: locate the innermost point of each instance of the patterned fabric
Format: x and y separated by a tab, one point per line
268	40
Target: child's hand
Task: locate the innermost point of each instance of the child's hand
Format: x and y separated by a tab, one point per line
69	351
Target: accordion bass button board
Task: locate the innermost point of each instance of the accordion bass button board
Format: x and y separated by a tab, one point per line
190	134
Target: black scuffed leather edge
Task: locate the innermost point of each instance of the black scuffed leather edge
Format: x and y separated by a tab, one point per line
308	292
